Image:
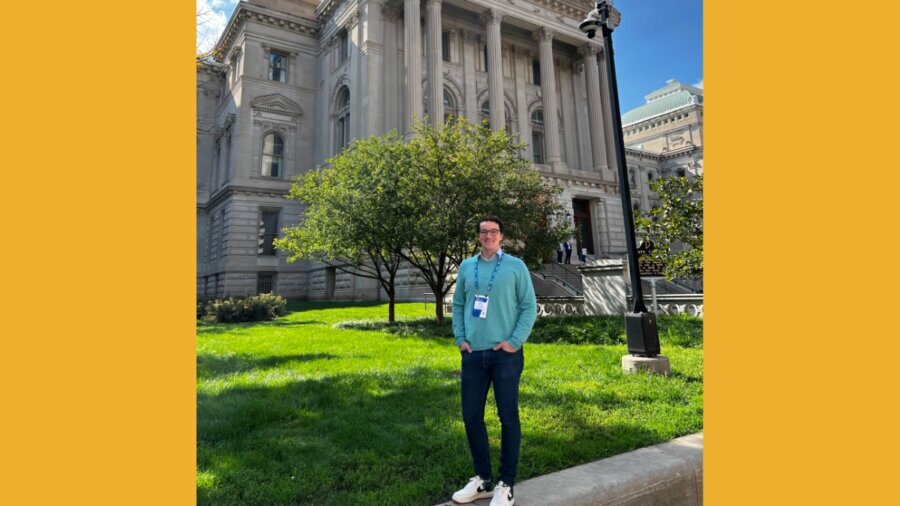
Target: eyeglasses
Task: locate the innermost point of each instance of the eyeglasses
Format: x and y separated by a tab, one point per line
493	231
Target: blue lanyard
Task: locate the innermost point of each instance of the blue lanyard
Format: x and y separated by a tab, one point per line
493	274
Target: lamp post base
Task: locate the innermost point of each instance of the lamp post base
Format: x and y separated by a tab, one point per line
655	365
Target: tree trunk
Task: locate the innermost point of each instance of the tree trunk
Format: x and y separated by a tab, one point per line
438	307
391	306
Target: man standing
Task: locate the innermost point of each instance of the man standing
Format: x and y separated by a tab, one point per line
494	308
568	247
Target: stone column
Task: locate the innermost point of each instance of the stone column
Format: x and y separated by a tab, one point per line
595	110
470	56
435	58
392	102
354	31
492	19
520	70
372	68
322	111
412	49
544	37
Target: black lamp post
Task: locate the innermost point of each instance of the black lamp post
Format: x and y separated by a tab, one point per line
640	324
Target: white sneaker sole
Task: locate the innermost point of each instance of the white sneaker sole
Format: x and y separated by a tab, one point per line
467	500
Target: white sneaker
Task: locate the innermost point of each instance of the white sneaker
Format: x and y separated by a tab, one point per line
473	490
503	495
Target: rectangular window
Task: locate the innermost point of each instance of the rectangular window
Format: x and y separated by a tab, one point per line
214	230
485	58
277	67
209	238
234	68
268	231
265	283
537	147
223	241
341	133
227	173
214	173
536	72
445	45
345	46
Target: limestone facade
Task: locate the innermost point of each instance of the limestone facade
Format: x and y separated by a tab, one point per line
297	80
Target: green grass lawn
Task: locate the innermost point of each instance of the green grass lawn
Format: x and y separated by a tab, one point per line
304	411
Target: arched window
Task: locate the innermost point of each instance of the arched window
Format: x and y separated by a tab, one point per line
537	136
449	106
485	115
342	120
272	155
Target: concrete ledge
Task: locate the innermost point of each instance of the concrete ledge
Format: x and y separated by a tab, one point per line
667	474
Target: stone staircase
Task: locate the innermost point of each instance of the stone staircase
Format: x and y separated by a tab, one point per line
557	280
664	287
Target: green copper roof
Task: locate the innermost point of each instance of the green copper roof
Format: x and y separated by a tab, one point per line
673	95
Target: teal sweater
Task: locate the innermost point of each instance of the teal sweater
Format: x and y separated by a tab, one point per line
512	308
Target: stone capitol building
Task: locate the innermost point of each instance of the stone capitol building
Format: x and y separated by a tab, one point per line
295	81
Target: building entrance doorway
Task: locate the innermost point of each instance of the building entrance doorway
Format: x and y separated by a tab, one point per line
584	232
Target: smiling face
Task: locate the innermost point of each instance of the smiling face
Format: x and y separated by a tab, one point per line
490	237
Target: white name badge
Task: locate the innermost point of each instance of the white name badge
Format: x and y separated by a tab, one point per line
481	305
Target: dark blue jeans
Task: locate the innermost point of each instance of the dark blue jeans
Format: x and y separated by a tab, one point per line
480	369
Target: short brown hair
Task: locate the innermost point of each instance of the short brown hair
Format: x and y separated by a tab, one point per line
489	217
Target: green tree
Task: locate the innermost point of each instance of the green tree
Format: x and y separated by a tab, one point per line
457	175
350	220
676	226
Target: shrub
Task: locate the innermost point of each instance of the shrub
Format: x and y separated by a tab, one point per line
579	330
674	330
242	309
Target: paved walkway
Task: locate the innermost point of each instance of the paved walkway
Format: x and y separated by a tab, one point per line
667	474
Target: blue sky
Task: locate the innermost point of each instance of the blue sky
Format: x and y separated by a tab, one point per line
656	41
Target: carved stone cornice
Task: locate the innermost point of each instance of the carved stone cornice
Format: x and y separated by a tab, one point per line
249	191
575	9
325	10
248	12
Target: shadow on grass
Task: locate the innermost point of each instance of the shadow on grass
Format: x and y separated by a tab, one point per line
687	378
238	329
392	439
674	330
344	439
209	366
299	306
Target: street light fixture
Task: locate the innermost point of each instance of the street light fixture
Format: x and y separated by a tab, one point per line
640	324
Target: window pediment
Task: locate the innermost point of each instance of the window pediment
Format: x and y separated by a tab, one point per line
277	103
